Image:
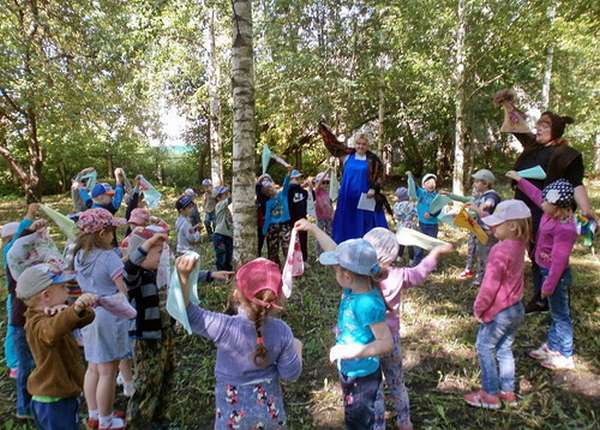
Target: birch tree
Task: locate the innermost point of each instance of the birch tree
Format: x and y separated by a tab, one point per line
459	80
244	139
216	141
548	67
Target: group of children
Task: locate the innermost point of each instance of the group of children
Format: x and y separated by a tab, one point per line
255	350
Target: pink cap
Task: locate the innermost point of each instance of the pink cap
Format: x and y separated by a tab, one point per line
256	276
507	210
97	219
139	216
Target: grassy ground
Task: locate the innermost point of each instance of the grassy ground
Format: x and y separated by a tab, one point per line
438	334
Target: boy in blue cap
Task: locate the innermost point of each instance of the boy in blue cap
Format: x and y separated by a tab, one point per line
188	235
103	196
297	203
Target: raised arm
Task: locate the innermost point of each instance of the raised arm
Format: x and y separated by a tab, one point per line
530	190
325	241
412	187
333	145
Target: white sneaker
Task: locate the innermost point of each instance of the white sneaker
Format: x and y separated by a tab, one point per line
120	380
542	353
128	389
559	362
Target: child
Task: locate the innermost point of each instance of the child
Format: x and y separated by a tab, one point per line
498	305
195	215
57	380
209	206
223	235
405	214
261	206
362	334
154	353
556	237
187	234
277	219
297	203
10	354
105	341
323	206
103	196
483	205
428	222
254	350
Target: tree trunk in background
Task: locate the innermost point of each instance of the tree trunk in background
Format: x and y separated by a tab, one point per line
597	154
244	137
459	81
216	143
380	143
548	67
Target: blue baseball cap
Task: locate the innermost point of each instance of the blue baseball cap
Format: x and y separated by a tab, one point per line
295	174
206	182
354	255
102	188
183	202
401	193
221	190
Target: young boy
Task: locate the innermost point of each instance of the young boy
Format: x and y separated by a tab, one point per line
484	204
297	203
223	235
103	196
195	215
424	195
277	219
209	206
405	214
57	380
153	331
187	234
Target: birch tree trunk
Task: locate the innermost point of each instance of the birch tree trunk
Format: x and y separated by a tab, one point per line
243	193
459	80
548	67
381	143
216	145
597	154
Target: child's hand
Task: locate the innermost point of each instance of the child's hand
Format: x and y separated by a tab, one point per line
298	346
441	250
427	215
513	175
84	301
185	265
32	209
222	275
39	224
159	238
408	173
303	225
370	193
545	294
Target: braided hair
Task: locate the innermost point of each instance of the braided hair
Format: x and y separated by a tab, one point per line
258	314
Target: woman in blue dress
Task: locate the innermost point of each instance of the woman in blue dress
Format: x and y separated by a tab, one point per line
362	173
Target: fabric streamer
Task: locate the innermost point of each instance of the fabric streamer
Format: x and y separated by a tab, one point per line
587	228
175	301
310	205
151	195
88	178
266	158
334	185
463	220
438	203
33	249
533	173
118	305
294	264
409	237
64	223
163	274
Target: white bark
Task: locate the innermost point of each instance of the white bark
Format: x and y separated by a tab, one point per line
381	143
244	144
216	145
597	153
548	67
459	80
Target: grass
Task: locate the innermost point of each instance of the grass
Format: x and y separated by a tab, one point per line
438	335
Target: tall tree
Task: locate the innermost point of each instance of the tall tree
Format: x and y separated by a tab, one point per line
549	59
216	141
244	138
458	173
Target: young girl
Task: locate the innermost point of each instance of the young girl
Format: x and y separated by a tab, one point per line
277	219
428	222
405	214
556	237
105	341
498	304
323	207
254	350
362	334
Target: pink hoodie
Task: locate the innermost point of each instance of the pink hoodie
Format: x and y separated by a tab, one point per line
503	282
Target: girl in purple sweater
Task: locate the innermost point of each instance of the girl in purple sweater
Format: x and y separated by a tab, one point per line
556	237
498	304
254	350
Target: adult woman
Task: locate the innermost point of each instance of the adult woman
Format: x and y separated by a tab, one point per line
362	174
546	148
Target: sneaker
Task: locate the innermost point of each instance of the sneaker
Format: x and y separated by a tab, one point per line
542	353
559	362
481	399
120	380
115	423
508	398
128	389
12	373
466	274
94	423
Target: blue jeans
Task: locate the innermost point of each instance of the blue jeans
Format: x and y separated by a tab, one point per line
10	354
223	251
494	349
429	230
61	415
360	395
560	334
26	365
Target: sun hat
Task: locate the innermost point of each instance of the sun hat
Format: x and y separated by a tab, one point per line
96	219
427	177
9	229
258	275
102	188
484	175
295	174
560	193
183	202
354	255
385	243
507	210
401	193
265	179
39	277
139	216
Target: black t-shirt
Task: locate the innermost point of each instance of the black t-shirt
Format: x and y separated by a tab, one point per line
297	200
